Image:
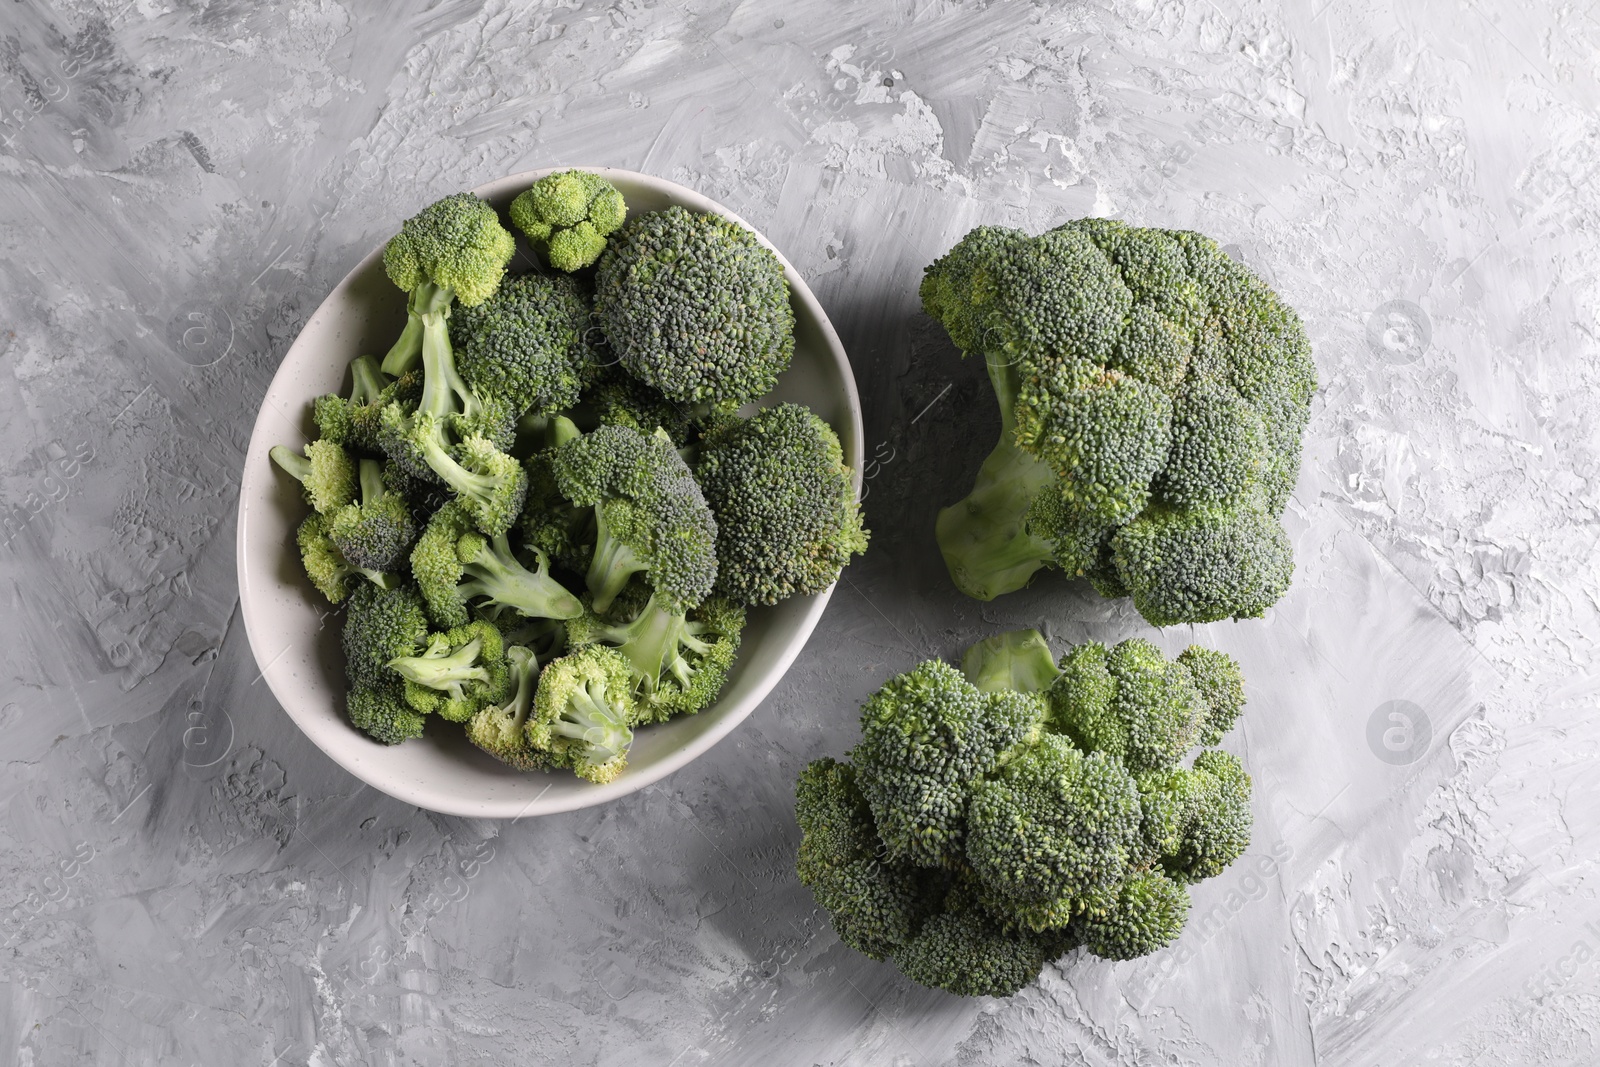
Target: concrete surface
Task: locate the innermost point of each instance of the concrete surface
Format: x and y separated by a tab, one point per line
187	881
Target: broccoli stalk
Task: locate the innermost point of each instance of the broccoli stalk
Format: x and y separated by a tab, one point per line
986	538
499	729
458	672
1018	660
454	564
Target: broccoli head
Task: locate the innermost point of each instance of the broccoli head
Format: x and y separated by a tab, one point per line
500	728
1129	701
457	673
785	504
326	473
569	214
695	306
582	714
381	624
1153	393
382	716
454	564
650	515
531	344
377	532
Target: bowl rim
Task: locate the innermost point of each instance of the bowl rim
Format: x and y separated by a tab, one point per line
319	729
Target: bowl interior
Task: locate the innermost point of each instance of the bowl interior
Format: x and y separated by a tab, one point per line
294	633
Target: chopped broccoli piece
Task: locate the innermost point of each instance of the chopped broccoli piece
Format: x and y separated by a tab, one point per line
500	728
325	472
381	624
377	533
695	306
531	344
650	515
352	421
582	714
1152	394
455	564
382	716
678	661
569	214
785	504
326	566
458	673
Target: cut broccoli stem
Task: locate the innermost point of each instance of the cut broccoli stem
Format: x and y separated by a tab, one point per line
366	380
534	593
446	673
592	720
293	463
652	642
985	538
427	299
614	562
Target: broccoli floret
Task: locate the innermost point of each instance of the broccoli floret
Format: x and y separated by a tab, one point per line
352	421
326	566
455	564
454	249
876	906
678	661
695	306
650	515
582	714
1147	913
500	728
382	716
1052	828
326	473
1221	685
379	625
926	737
458	673
531	344
490	483
1018	660
377	533
1130	702
965	951
1216	818
619	398
1152	395
785	504
569	214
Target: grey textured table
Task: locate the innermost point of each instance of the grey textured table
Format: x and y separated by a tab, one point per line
188	881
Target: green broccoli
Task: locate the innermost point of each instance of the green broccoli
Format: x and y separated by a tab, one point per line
352	421
490	483
582	714
326	473
974	836
569	214
1019	660
326	566
500	728
695	306
617	397
531	344
678	660
381	624
1152	397
785	505
455	564
550	523
650	515
382	716
377	533
454	249
457	673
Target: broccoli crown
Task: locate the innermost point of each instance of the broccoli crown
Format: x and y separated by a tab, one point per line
651	516
975	836
785	504
678	661
926	737
326	473
569	214
1221	685
382	716
1018	660
381	624
328	570
352	421
454	564
695	306
499	728
455	244
620	398
582	713
1129	701
1166	389
530	344
458	673
377	533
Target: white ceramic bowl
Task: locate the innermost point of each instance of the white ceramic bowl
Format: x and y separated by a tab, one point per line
295	636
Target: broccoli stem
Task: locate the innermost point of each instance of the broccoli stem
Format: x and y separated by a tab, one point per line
293	463
366	380
613	563
591	719
495	573
653	643
371	480
445	673
426	299
984	537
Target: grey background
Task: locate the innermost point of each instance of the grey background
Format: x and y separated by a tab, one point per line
185	880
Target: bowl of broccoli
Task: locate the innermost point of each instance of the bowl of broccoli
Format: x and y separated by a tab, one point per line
548	494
